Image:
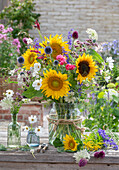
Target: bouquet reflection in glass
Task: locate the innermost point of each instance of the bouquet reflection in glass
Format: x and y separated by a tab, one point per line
33	137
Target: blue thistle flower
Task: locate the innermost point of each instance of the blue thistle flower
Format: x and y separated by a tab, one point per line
48	50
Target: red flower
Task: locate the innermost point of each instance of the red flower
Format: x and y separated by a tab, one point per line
37	25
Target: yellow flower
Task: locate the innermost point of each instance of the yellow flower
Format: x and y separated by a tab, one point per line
55	84
85	67
69	143
29	58
56	43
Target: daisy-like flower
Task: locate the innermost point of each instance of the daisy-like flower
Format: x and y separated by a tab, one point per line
9	93
26	128
70	143
55	84
81	154
37	84
29	41
70	98
37	67
92	34
85	67
32	119
57	44
38	130
29	59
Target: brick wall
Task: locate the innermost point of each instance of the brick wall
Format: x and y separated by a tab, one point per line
59	16
32	108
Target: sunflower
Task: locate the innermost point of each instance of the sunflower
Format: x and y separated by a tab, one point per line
57	44
85	67
69	143
55	84
29	58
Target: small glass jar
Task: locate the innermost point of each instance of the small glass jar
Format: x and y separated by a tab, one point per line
14	133
32	139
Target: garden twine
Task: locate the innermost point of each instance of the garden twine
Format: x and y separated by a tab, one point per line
57	122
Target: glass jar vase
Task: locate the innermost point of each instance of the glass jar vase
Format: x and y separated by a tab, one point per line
14	133
32	139
65	121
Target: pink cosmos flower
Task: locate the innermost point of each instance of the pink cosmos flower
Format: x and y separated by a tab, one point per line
1	27
62	59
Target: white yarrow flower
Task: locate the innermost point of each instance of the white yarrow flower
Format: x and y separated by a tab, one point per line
37	84
32	119
81	154
9	93
6	103
92	34
109	94
37	66
110	61
70	98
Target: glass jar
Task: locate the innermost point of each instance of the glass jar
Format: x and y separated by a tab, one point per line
14	133
32	139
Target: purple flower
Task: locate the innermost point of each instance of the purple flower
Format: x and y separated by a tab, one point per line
96	154
82	162
75	35
101	154
1	27
25	40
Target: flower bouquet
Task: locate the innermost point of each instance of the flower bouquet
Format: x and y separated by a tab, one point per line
57	69
14	129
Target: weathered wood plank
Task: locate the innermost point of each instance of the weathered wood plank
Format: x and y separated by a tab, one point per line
41	166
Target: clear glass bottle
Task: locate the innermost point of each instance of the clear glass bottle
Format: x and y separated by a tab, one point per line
14	133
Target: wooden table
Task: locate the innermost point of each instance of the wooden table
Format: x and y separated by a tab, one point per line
51	159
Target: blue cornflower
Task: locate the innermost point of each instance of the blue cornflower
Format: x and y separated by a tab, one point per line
48	50
20	60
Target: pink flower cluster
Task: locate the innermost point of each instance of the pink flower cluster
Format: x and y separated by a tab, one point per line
70	67
61	59
16	42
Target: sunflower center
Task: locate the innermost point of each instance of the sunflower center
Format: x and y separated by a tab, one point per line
71	144
84	68
55	83
31	59
57	49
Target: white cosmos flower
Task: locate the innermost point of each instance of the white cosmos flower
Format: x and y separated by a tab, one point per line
37	66
92	34
29	41
81	154
9	93
38	130
26	128
70	98
35	74
37	84
32	119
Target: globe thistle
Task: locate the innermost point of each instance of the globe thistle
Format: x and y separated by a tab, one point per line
56	62
48	50
20	60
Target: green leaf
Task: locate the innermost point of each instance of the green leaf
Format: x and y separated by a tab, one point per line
116	112
95	55
60	149
31	92
2	148
115	98
57	143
